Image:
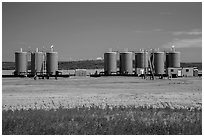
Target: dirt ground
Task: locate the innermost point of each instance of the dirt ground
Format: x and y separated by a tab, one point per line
77	91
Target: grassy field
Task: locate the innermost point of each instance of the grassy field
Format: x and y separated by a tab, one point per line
20	93
107	120
105	105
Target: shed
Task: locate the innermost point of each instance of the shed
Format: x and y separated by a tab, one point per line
187	72
139	71
80	72
176	72
195	72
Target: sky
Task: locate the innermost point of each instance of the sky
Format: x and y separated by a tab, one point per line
81	31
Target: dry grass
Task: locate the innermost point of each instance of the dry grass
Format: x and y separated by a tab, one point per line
103	120
106	105
76	91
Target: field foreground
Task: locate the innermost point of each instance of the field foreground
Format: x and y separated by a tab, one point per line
94	120
106	105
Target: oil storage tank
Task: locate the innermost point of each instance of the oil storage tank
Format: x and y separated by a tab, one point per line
51	62
141	59
173	59
159	62
167	61
21	63
126	63
110	63
36	62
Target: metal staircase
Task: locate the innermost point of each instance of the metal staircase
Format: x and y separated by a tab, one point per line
151	64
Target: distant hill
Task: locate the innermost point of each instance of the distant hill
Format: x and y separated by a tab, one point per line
62	65
87	64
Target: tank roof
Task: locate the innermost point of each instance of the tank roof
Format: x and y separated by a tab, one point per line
51	52
37	52
159	52
142	52
126	52
110	52
20	52
174	52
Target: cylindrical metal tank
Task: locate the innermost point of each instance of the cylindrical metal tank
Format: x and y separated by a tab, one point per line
159	62
126	63
141	59
110	63
51	62
173	59
167	61
36	62
21	62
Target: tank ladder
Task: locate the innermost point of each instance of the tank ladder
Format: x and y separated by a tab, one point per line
151	67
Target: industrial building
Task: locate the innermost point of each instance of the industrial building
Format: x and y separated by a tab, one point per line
147	63
188	72
42	63
80	72
182	72
150	63
174	72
